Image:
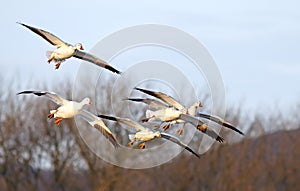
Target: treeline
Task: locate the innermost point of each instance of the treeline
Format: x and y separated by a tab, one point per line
37	155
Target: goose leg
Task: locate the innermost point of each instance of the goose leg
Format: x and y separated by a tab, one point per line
50	60
142	145
57	64
51	115
146	119
52	112
58	120
166	126
179	132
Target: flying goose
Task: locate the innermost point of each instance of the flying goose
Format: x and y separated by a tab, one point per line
219	121
97	123
172	102
145	134
67	109
150	115
192	110
65	50
201	126
171	114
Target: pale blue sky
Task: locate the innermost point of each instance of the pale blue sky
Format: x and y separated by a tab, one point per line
254	43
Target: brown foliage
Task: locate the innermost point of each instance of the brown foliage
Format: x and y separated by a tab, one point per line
37	155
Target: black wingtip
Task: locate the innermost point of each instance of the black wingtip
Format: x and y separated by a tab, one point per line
133	99
140	89
143	90
137	88
240	132
127	99
25	92
112	69
220	139
20	23
32	92
189	149
233	128
107	117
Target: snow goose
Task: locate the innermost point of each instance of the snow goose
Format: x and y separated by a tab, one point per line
191	110
97	123
220	121
145	134
166	114
172	102
64	50
67	109
158	105
201	126
171	114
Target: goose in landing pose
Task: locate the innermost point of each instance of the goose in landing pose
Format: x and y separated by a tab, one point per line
64	50
173	103
201	126
161	114
67	109
145	134
219	121
97	123
171	110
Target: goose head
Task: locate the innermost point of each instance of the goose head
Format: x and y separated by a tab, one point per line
86	101
157	134
198	104
78	46
194	107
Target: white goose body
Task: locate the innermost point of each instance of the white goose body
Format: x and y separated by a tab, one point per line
145	135
169	112
67	109
165	115
63	52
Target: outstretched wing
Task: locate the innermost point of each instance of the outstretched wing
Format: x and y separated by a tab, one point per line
178	142
52	39
52	96
220	121
151	102
126	121
201	126
97	123
95	60
164	97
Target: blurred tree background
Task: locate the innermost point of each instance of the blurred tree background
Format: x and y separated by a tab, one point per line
37	155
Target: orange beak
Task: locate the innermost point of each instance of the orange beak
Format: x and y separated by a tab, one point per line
90	102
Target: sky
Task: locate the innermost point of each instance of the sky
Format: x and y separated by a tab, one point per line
254	43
